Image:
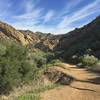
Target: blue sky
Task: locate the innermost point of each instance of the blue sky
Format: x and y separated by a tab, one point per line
49	16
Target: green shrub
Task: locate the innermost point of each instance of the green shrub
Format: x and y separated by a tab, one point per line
56	62
88	61
38	72
2	49
75	59
14	68
38	60
50	56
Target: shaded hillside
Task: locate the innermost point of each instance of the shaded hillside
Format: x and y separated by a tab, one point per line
10	34
81	41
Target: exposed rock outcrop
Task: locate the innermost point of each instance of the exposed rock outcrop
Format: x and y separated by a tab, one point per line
8	33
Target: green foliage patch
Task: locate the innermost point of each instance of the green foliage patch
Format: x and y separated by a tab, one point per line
14	68
88	61
28	97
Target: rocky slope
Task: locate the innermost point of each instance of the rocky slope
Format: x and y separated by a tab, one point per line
39	40
10	34
43	41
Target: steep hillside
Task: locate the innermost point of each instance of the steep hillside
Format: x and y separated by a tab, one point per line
42	41
47	41
30	36
10	34
81	40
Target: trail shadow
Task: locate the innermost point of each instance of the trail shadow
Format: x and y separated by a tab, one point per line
77	67
94	80
95	72
83	89
91	80
67	80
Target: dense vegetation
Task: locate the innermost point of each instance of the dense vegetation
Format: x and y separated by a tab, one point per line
88	61
19	66
14	67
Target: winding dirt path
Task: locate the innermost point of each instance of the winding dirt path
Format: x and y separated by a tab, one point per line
85	87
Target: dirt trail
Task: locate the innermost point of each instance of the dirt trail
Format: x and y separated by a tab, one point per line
85	87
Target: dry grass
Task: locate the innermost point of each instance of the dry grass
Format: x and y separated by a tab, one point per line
34	95
40	82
